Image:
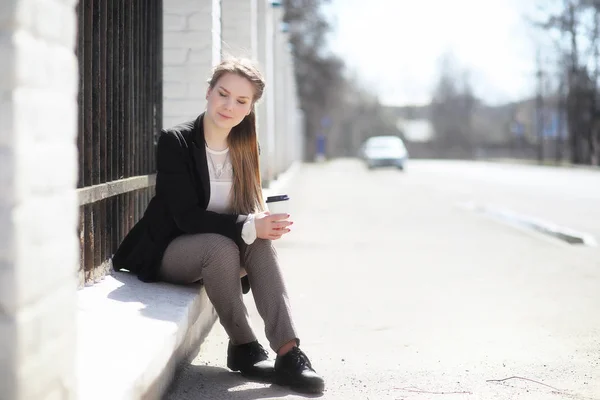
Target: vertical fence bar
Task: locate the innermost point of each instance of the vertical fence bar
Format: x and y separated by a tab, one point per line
96	134
80	133
158	65
103	133
143	90
110	233
80	95
137	72
124	99
131	109
119	122
87	167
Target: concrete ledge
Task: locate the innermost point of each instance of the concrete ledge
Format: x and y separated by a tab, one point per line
132	336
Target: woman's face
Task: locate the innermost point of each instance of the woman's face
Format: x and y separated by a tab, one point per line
230	100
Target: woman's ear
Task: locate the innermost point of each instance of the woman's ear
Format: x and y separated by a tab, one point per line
208	91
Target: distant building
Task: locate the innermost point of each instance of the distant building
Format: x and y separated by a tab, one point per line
416	130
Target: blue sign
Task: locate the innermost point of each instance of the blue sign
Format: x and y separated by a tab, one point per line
517	128
326	122
551	126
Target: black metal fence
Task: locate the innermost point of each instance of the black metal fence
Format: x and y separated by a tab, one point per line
120	114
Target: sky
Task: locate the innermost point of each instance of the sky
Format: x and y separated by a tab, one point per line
395	46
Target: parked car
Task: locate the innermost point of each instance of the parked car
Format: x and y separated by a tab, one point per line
384	151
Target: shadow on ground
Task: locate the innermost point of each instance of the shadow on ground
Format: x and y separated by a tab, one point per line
208	382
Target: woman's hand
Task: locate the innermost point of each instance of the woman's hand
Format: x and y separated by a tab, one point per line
272	227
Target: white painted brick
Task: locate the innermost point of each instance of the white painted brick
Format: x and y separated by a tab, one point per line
185	74
48	18
8	293
174	22
6	122
55	365
37	225
200	56
45	321
200	21
179	40
7	163
175	90
55	120
186	6
57	392
8	345
43	350
56	171
63	69
39	270
7	230
17	14
7	68
68	26
183	108
25	14
30	66
175	56
70	3
7	12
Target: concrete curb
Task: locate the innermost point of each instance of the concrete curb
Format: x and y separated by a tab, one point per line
544	227
132	336
518	161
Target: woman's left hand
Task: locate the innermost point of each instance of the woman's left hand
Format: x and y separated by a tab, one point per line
272	227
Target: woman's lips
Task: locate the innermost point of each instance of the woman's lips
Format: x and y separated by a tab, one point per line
224	116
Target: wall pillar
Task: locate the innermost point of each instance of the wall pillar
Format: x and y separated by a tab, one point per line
39	245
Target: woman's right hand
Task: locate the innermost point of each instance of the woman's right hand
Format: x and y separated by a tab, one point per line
272	227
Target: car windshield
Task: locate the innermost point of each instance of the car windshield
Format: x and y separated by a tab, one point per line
384	143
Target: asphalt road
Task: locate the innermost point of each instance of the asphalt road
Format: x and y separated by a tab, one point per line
400	293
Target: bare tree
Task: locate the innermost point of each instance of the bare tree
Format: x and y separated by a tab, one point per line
576	20
452	110
318	72
334	105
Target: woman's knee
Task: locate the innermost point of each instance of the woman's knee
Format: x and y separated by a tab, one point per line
262	245
224	252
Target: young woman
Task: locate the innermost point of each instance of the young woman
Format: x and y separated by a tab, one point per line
208	222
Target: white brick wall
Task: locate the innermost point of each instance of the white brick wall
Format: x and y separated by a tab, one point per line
189	54
38	206
264	50
239	32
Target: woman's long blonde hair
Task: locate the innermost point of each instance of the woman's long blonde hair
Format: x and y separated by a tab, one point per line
243	142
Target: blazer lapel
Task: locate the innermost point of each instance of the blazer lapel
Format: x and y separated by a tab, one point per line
200	161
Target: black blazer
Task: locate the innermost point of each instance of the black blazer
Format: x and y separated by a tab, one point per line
179	205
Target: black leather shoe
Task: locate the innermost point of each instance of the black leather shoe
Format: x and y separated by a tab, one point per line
294	369
251	359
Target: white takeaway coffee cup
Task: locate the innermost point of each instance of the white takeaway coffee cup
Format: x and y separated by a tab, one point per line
278	204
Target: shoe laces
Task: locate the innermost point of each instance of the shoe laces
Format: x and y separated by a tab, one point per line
300	359
256	349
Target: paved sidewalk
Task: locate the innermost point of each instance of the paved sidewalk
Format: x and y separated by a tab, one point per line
399	294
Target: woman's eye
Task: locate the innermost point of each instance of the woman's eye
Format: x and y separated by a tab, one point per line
223	94
241	102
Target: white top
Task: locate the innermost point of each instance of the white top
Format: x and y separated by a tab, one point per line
220	172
